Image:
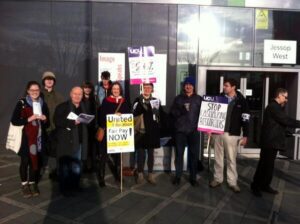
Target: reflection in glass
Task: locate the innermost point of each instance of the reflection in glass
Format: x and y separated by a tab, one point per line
187	42
225	38
282	25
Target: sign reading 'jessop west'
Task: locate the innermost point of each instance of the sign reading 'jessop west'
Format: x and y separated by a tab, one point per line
213	114
280	51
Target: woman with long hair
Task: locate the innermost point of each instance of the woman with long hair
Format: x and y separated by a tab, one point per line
32	112
113	104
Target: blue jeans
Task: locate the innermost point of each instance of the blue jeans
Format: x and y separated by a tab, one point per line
69	171
192	141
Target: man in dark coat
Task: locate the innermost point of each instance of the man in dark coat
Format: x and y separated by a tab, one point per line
185	111
275	122
72	141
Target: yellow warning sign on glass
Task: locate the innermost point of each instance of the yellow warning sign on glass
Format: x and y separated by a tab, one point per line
261	19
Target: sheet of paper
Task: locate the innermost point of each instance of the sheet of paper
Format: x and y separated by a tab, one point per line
37	109
72	116
85	118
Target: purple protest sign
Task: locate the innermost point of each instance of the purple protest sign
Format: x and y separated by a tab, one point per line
141	64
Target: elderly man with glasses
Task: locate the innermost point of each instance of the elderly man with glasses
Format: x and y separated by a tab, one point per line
275	122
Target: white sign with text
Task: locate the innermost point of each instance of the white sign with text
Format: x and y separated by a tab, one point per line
280	51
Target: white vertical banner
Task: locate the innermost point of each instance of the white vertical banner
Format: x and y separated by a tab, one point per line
114	63
160	87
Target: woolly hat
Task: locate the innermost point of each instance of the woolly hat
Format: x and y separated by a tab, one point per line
189	80
49	75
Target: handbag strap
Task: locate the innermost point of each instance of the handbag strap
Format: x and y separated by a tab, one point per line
119	106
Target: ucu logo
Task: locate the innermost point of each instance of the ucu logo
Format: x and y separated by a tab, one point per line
134	51
208	98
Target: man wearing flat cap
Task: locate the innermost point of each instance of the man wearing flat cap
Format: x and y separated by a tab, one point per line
185	112
52	98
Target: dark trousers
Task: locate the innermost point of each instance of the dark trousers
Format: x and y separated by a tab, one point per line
141	160
192	141
264	171
69	171
26	171
113	161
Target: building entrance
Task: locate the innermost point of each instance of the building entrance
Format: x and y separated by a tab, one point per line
258	87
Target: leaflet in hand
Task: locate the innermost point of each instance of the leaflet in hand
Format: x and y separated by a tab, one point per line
85	118
37	110
154	104
82	118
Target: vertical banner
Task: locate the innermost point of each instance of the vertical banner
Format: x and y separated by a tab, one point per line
160	87
213	114
113	63
141	64
119	133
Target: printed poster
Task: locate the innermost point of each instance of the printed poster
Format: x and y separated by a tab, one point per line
119	133
141	64
113	63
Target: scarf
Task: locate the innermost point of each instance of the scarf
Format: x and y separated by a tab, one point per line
33	132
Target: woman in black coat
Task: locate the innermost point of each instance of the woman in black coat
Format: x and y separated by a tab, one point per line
109	106
91	104
33	137
151	110
72	141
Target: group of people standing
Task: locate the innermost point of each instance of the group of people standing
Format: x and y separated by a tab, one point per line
68	147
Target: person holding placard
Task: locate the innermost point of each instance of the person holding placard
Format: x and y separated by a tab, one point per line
113	104
148	110
32	112
237	119
185	111
72	141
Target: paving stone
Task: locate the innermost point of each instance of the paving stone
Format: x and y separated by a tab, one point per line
7	209
164	186
105	215
235	219
8	171
179	213
289	210
28	218
9	185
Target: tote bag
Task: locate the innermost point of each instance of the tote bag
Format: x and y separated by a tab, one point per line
14	138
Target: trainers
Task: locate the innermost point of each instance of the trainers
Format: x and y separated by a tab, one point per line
214	183
235	188
151	179
34	190
140	178
26	191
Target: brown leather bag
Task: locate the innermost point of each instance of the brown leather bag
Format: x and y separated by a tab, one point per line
101	131
100	134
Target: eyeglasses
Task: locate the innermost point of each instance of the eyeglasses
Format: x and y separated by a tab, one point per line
34	90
